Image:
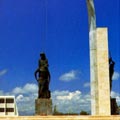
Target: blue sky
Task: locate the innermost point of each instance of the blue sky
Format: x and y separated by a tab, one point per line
60	29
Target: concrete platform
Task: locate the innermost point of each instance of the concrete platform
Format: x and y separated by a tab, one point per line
61	118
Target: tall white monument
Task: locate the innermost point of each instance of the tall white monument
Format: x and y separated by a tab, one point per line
100	87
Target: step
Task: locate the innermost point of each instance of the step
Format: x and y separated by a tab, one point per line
79	117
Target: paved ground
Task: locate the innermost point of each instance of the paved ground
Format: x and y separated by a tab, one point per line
61	118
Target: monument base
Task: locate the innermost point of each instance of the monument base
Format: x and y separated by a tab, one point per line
43	107
77	117
114	107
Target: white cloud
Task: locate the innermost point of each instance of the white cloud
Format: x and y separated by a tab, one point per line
1	92
19	98
116	76
3	72
69	96
87	84
25	98
17	90
69	76
28	88
66	101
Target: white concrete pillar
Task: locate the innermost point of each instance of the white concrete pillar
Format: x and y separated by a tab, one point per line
99	70
103	72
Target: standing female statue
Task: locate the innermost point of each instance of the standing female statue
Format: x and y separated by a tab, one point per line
42	76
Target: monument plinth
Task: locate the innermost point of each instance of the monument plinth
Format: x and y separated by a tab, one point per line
114	107
43	107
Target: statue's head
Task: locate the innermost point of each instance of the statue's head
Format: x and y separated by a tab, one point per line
42	55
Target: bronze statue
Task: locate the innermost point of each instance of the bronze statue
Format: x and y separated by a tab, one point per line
111	71
42	76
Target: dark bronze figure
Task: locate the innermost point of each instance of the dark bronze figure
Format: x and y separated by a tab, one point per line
111	71
42	76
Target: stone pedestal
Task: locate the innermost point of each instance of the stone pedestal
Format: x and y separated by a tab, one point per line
114	107
43	107
61	117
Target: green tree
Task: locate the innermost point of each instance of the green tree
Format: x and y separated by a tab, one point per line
119	110
84	113
55	111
